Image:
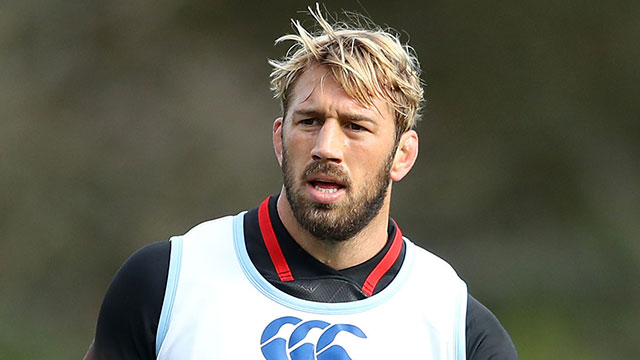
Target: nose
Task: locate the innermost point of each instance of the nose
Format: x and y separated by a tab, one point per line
329	142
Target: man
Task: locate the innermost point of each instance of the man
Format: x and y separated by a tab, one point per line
319	271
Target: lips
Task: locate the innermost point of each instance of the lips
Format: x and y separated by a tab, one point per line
326	185
325	189
325	182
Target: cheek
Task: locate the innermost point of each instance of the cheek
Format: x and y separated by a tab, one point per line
294	151
298	147
366	163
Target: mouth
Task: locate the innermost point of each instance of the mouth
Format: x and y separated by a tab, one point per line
324	189
326	186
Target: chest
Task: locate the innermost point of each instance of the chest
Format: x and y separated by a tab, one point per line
217	306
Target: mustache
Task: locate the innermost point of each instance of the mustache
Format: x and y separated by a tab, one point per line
327	168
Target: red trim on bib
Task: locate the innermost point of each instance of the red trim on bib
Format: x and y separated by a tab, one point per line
271	241
385	264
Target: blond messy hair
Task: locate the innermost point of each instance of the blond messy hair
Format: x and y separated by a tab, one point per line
367	62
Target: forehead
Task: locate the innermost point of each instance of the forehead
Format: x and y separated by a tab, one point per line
317	87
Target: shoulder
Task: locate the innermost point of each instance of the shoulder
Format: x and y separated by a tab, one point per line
131	307
432	269
211	229
145	263
486	337
146	269
424	256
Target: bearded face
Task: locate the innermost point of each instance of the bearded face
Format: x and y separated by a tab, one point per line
341	220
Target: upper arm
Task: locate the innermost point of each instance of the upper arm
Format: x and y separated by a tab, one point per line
486	337
130	311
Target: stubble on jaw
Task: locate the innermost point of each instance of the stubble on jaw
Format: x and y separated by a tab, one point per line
335	222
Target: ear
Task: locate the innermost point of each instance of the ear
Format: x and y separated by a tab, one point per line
405	156
277	138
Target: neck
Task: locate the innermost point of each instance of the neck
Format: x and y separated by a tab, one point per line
341	254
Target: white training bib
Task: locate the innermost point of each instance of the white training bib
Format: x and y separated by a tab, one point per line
218	306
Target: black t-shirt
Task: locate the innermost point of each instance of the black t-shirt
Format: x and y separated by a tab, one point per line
131	308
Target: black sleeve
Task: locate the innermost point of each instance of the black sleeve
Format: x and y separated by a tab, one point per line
130	311
486	338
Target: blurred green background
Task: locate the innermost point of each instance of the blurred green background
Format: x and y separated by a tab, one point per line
124	122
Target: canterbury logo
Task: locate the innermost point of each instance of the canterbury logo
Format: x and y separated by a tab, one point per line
295	348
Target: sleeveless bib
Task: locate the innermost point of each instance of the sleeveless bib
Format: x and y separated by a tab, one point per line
218	306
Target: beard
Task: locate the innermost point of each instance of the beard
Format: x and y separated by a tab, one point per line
339	221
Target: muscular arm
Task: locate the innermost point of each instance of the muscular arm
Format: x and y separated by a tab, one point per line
130	311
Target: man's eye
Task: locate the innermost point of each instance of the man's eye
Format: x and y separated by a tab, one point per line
356	127
308	121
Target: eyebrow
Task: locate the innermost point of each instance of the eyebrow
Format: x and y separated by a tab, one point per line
348	116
